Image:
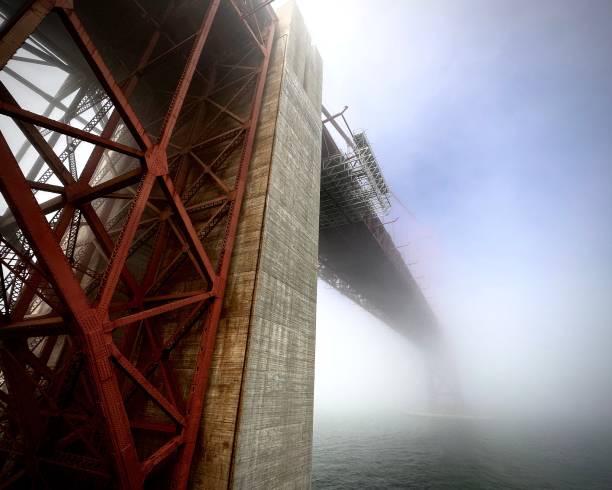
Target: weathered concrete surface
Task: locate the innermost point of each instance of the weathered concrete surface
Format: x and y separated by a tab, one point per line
257	426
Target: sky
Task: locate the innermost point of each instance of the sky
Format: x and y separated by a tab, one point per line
492	122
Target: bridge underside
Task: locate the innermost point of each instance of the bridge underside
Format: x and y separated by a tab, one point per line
358	257
356	254
353	261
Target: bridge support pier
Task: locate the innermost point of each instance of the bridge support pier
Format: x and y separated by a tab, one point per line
257	426
157	287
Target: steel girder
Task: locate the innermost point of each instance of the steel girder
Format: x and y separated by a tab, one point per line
115	249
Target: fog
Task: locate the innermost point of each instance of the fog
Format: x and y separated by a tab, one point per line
492	122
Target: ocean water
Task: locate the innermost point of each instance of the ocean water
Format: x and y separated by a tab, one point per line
387	452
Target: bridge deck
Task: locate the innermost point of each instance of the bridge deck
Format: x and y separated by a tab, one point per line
359	259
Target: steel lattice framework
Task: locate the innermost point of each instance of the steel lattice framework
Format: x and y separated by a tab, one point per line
123	199
357	255
352	185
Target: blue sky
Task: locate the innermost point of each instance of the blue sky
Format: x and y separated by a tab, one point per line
492	121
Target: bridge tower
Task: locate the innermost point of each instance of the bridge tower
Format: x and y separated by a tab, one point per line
159	178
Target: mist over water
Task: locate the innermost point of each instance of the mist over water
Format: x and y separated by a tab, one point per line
404	451
533	418
373	427
492	122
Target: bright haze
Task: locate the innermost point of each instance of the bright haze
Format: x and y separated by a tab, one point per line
492	121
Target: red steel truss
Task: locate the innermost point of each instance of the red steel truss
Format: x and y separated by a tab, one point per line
116	247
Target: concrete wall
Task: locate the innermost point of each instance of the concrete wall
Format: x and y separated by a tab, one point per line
257	426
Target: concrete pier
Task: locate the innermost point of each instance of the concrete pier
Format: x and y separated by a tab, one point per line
257	425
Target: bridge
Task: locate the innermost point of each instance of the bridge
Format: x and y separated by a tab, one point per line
356	254
170	194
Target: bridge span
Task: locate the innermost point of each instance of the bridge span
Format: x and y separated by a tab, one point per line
168	193
357	255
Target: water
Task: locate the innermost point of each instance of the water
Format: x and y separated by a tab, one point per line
444	453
